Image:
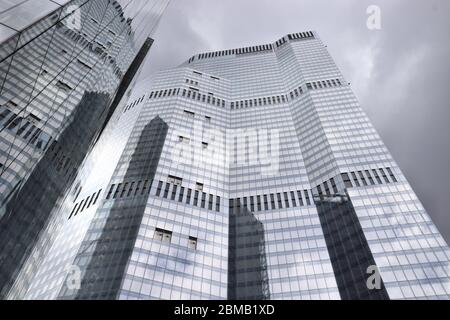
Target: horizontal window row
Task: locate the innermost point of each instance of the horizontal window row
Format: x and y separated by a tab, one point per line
368	177
166	236
133	104
206	98
164	93
23	127
281	99
174	191
323	84
191	93
258	102
270	201
129	189
259	48
85	204
301	198
197	198
252	49
300	35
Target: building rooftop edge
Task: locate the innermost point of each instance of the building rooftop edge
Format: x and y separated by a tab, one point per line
256	48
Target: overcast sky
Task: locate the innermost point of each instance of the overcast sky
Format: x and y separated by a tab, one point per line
400	74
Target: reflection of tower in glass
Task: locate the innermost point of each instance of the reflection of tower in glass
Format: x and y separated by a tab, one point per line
103	259
60	83
348	248
333	205
247	265
30	207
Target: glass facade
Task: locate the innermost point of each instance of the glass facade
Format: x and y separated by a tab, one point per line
248	173
64	67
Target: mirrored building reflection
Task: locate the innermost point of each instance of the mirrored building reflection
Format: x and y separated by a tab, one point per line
105	258
64	68
349	251
247	261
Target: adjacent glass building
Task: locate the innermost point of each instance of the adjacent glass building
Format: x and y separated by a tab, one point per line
248	173
64	68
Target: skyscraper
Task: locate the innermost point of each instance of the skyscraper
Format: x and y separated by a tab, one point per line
64	67
249	173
